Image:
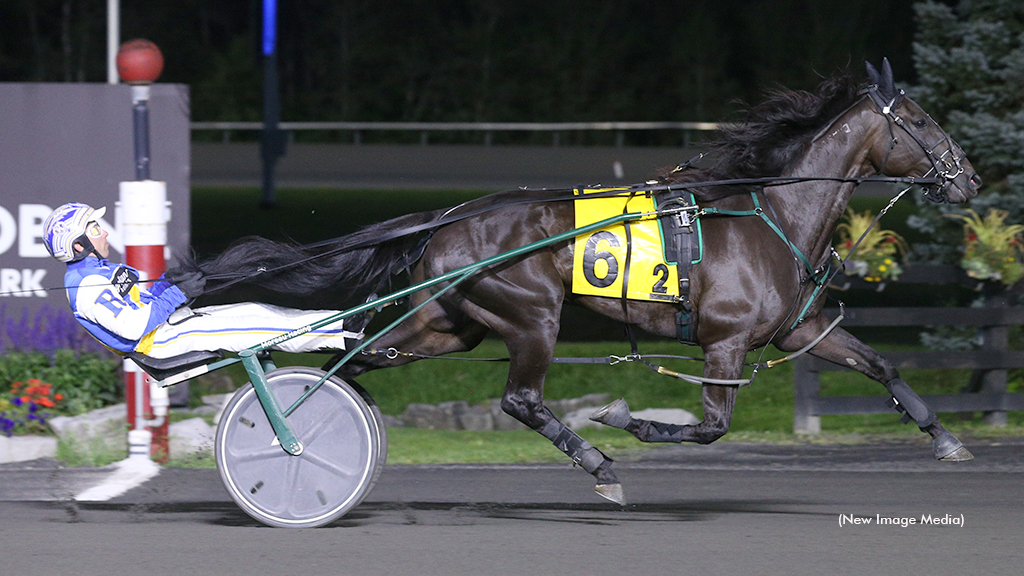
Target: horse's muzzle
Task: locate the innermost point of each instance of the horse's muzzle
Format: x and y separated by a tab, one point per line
952	192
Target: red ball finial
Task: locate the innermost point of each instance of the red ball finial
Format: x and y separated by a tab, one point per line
139	61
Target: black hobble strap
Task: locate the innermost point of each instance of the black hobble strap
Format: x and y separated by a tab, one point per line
575	447
649	431
907	402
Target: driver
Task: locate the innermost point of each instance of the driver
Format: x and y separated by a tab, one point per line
110	302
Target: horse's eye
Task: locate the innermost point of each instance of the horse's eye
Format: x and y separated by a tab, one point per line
920	123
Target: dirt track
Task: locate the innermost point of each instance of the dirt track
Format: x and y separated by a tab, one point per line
726	508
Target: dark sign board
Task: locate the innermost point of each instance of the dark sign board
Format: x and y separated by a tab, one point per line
73	143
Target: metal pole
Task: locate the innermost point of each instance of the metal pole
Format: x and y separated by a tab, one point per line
272	144
140	130
113	39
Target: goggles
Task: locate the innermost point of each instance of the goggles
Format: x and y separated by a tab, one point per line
93	230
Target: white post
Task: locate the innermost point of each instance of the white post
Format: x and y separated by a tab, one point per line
143	213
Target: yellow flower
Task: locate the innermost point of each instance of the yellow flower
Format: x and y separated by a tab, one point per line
888	261
882	268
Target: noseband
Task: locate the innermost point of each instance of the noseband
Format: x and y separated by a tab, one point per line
945	166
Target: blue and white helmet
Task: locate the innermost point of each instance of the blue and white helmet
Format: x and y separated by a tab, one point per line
67	225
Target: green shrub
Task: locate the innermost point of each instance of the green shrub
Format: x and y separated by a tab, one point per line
86	380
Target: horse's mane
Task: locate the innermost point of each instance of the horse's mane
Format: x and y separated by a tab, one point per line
769	137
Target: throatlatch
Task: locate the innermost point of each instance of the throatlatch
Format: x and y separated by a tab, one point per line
907	402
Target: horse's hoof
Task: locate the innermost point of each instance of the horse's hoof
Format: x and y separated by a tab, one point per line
611	492
961	454
615	414
948	448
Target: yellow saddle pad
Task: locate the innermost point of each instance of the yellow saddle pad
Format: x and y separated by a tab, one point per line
600	258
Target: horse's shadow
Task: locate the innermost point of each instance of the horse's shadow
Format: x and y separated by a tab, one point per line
461	513
468	514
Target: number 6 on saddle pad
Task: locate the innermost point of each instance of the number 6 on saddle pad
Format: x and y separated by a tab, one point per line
632	252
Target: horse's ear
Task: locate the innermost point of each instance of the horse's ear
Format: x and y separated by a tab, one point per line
888	86
872	73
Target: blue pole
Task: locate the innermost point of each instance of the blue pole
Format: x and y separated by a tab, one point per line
269	27
272	142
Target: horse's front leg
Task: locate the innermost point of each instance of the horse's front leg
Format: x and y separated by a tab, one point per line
723	361
840	347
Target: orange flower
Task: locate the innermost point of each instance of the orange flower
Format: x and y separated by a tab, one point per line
58	397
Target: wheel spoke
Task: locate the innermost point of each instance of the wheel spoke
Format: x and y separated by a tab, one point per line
330	466
308	436
257	454
291	478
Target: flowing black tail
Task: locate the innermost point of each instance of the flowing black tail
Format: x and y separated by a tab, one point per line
350	266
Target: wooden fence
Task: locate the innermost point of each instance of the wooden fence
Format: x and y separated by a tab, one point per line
989	363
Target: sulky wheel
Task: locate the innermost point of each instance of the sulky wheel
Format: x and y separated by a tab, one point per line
343	444
378	421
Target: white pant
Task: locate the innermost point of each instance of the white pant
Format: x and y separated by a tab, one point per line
236	327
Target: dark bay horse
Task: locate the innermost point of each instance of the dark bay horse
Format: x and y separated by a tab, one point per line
747	291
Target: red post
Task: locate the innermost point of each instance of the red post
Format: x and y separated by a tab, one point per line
143	213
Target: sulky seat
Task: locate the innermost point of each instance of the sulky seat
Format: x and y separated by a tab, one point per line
163	368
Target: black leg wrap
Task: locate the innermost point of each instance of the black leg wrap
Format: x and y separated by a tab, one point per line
648	431
581	452
910	404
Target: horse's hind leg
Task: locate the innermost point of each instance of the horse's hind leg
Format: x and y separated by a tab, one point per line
844	349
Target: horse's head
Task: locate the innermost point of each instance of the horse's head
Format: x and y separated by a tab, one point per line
915	145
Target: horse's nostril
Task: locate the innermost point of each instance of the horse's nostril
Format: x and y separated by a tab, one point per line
975	181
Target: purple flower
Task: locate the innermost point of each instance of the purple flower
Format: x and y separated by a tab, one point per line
17	401
32	407
49	329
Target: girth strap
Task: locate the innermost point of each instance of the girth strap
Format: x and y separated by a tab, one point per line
684	258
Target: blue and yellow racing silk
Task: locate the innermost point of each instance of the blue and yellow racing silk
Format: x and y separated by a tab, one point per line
107	301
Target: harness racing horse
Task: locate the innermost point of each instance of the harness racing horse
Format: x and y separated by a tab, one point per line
748	290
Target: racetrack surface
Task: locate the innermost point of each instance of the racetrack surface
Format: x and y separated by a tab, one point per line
728	508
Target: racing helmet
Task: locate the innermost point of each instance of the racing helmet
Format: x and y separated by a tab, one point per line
67	225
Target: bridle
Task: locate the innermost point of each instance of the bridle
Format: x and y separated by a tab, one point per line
946	165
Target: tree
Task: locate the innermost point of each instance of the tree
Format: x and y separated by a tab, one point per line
970	62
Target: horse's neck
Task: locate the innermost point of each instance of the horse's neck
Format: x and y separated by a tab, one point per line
810	211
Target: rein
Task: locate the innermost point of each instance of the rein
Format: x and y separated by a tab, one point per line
567	194
564	194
